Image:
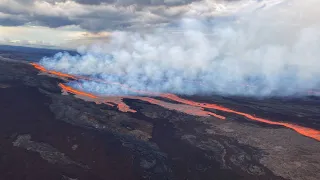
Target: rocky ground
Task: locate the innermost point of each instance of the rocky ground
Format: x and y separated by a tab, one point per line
48	135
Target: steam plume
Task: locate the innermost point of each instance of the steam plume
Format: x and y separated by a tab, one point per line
271	51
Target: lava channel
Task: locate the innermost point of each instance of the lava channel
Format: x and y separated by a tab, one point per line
315	134
122	106
56	73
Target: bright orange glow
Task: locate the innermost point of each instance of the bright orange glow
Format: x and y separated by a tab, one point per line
315	134
192	110
186	106
73	91
59	74
118	101
125	108
124	86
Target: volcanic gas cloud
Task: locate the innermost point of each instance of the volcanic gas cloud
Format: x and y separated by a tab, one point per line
263	51
182	105
259	50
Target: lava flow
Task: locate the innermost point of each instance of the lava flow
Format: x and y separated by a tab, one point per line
186	106
302	130
118	101
71	90
59	74
192	110
41	68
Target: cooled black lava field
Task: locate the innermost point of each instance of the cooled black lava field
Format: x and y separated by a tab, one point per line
49	133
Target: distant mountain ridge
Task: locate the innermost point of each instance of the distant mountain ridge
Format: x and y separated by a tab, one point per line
29	53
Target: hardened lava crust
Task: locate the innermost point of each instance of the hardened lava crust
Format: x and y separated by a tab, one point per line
47	133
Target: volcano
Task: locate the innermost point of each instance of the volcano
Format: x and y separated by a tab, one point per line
189	109
68	133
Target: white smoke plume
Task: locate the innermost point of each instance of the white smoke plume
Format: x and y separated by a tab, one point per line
259	50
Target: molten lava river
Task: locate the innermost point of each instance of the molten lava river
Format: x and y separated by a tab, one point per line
181	105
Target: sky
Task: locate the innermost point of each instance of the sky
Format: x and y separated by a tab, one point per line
71	23
237	47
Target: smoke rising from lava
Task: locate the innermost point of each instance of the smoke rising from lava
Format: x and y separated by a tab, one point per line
265	51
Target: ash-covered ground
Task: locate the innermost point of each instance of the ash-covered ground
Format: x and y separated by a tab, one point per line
46	134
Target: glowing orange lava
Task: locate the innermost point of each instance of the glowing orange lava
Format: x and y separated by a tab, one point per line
118	101
71	90
302	130
192	110
186	106
41	68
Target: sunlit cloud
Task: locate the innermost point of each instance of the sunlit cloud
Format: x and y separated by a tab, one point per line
63	22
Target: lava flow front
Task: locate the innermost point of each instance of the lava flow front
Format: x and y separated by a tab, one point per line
182	105
118	102
41	68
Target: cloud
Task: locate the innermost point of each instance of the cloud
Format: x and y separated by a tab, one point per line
137	2
100	15
267	52
7	20
65	37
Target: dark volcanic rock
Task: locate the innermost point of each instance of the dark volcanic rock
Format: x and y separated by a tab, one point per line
76	139
46	151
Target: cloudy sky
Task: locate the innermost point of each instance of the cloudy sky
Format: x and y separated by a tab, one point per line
68	23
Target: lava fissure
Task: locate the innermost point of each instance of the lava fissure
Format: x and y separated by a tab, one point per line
77	92
185	106
59	74
302	130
